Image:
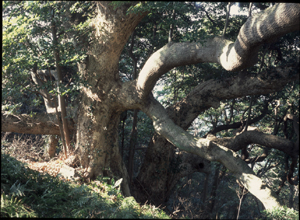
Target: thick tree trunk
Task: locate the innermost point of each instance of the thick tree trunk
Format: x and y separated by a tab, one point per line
162	167
152	182
97	125
99	108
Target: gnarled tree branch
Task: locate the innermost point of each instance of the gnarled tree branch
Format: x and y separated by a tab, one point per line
264	27
164	126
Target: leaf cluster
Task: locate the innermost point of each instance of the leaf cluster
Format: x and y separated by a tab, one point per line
28	40
284	213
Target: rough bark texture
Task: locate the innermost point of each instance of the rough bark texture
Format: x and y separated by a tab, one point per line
98	113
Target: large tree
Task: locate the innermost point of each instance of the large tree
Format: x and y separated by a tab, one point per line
104	96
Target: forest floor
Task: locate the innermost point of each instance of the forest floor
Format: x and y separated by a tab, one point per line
31	186
30	150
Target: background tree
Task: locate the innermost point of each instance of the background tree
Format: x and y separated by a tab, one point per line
108	88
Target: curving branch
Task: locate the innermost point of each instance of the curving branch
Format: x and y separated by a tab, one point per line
207	94
39	77
257	137
239	124
264	27
209	150
207	14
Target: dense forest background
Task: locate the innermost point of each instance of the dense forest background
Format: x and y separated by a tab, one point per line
208	189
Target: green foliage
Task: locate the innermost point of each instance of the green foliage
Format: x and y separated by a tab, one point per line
28	193
283	213
27	39
13	208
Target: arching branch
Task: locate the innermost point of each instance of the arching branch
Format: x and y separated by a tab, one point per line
264	27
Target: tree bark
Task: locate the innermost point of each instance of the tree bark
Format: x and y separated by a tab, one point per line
98	112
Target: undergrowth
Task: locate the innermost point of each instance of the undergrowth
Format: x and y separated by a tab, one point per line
281	213
28	193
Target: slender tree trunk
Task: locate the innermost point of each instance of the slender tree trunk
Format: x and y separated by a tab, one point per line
51	147
58	117
132	143
61	99
133	136
204	191
213	192
123	118
291	197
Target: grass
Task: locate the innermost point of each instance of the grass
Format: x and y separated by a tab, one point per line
28	193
